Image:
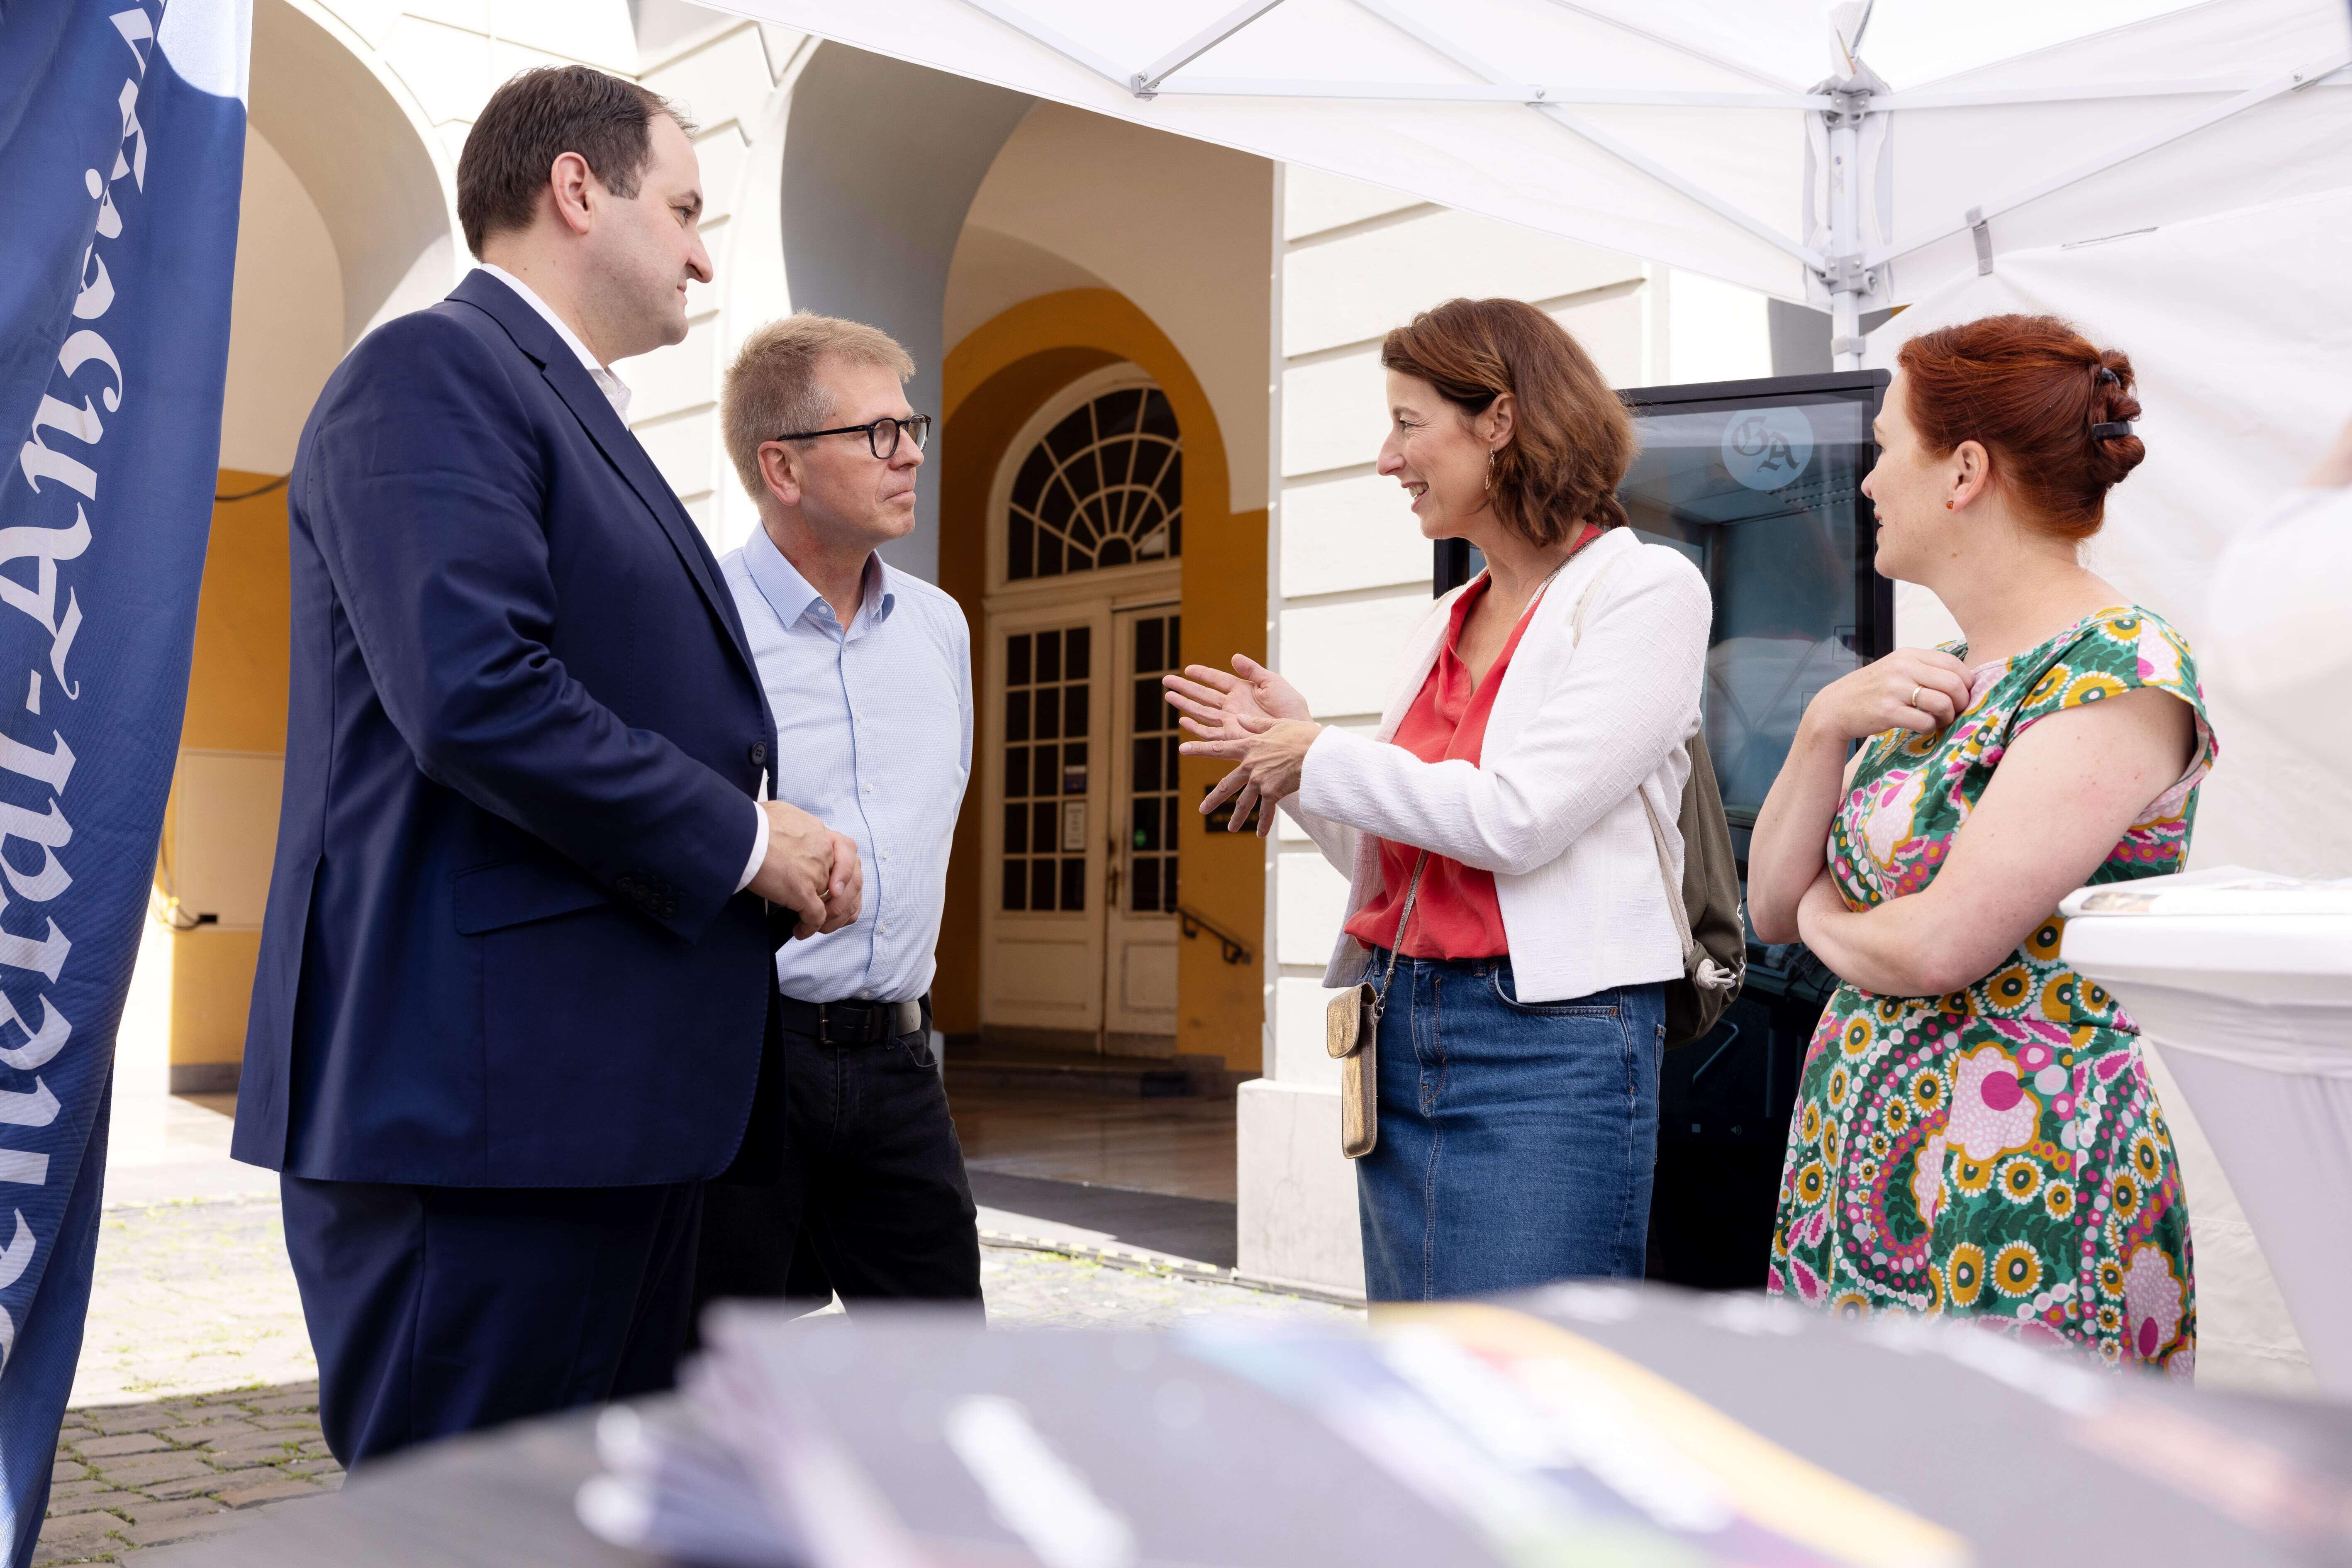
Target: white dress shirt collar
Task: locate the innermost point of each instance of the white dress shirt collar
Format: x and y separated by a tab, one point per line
615	390
791	596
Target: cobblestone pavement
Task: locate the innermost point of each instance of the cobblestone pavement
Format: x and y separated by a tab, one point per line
1047	1290
195	1403
132	1477
190	1297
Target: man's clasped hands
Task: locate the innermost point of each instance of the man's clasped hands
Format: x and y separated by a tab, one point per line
810	870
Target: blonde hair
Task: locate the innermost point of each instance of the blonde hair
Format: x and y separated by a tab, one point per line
773	388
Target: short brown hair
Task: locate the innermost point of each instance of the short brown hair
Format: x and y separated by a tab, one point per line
534	118
2030	389
1572	441
774	387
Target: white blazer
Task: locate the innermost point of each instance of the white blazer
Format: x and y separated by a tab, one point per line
1550	808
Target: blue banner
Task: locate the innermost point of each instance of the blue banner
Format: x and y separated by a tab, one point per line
121	156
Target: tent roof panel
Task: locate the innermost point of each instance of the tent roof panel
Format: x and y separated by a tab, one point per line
1717	188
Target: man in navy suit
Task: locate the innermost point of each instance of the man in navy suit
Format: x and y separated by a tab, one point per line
516	973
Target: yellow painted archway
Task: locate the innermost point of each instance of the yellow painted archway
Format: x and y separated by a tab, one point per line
997	377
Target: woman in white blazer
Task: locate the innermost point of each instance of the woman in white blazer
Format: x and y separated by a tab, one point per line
1503	885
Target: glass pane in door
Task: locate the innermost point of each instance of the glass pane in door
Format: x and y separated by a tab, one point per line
1045	694
1151	804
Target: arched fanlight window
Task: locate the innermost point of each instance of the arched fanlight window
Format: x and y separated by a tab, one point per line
1103	489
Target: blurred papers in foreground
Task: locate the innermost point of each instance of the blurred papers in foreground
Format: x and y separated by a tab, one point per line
1582	1425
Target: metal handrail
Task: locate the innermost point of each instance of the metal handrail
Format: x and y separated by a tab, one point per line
1192	922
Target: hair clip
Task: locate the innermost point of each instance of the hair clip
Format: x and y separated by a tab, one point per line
2111	429
2109	377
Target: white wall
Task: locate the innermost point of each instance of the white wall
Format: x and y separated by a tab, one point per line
731	76
286	315
355	132
881	162
1721	330
993	271
1180	227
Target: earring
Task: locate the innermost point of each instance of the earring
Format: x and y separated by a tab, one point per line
1947	506
1490	471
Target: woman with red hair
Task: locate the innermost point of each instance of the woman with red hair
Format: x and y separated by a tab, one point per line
1975	1131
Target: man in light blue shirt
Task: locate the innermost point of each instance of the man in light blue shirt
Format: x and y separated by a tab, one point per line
868	673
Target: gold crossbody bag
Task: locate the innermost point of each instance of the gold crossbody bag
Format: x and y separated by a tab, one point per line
1352	1027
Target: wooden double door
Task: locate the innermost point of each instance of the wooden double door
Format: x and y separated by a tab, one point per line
1081	825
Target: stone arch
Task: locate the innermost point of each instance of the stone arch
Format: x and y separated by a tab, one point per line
365	153
880	162
999	376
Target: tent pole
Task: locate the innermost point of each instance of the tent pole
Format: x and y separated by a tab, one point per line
1845	329
1844	274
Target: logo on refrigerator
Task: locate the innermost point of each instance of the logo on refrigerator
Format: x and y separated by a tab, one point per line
1767	448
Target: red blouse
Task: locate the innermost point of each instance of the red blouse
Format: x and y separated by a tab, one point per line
1456	913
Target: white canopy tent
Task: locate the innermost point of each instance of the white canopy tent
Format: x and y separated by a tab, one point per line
1701	133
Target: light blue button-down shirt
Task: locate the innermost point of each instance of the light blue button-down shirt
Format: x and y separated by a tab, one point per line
873	738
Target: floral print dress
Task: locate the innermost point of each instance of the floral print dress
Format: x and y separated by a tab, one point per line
1998	1151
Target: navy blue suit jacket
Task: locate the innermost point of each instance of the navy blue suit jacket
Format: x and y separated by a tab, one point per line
503	945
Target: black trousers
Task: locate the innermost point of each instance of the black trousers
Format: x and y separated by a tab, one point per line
873	1185
436	1311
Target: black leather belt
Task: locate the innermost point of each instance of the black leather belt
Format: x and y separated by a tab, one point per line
856	1023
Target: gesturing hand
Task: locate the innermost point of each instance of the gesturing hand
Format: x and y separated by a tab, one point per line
1213	704
1921	688
1252	716
1271	753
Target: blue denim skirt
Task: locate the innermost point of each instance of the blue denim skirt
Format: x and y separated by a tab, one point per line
1516	1140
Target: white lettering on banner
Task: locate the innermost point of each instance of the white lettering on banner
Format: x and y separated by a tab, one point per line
51	832
80	349
135	165
50	546
45	957
80	423
65	421
24	1167
37	1109
12	1269
97	293
52	768
41	1043
12	1261
133	26
40	462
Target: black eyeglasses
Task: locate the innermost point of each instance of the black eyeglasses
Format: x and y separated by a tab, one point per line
881	437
